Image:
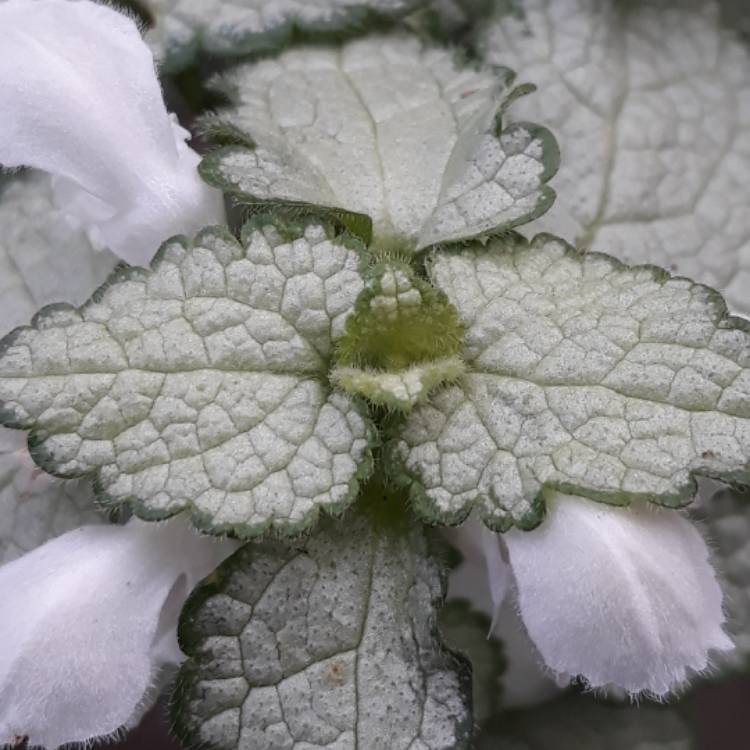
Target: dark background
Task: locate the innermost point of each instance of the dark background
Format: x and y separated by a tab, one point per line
720	715
718	712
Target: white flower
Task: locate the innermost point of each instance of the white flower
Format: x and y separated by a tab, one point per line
89	620
80	99
621	597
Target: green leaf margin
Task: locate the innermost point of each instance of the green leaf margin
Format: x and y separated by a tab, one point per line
289	229
410	480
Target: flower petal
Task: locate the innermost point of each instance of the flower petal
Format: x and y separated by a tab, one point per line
85	621
623	597
81	100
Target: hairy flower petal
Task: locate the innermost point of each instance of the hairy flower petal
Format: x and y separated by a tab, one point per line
81	100
620	596
88	621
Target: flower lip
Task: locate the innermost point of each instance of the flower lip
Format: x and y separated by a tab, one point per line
89	619
81	100
621	597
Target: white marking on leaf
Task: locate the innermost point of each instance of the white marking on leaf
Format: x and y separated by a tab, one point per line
398	389
651	104
387	127
603	380
331	645
201	383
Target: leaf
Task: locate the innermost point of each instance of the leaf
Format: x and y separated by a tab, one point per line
357	225
388	127
725	517
578	722
401	389
35	507
42	258
201	384
233	28
398	320
584	376
331	644
651	104
401	340
468	631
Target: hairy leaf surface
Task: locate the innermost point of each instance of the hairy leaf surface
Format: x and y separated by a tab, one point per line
401	341
201	383
332	644
400	389
388	127
584	375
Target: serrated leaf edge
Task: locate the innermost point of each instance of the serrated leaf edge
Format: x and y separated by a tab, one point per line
288	230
